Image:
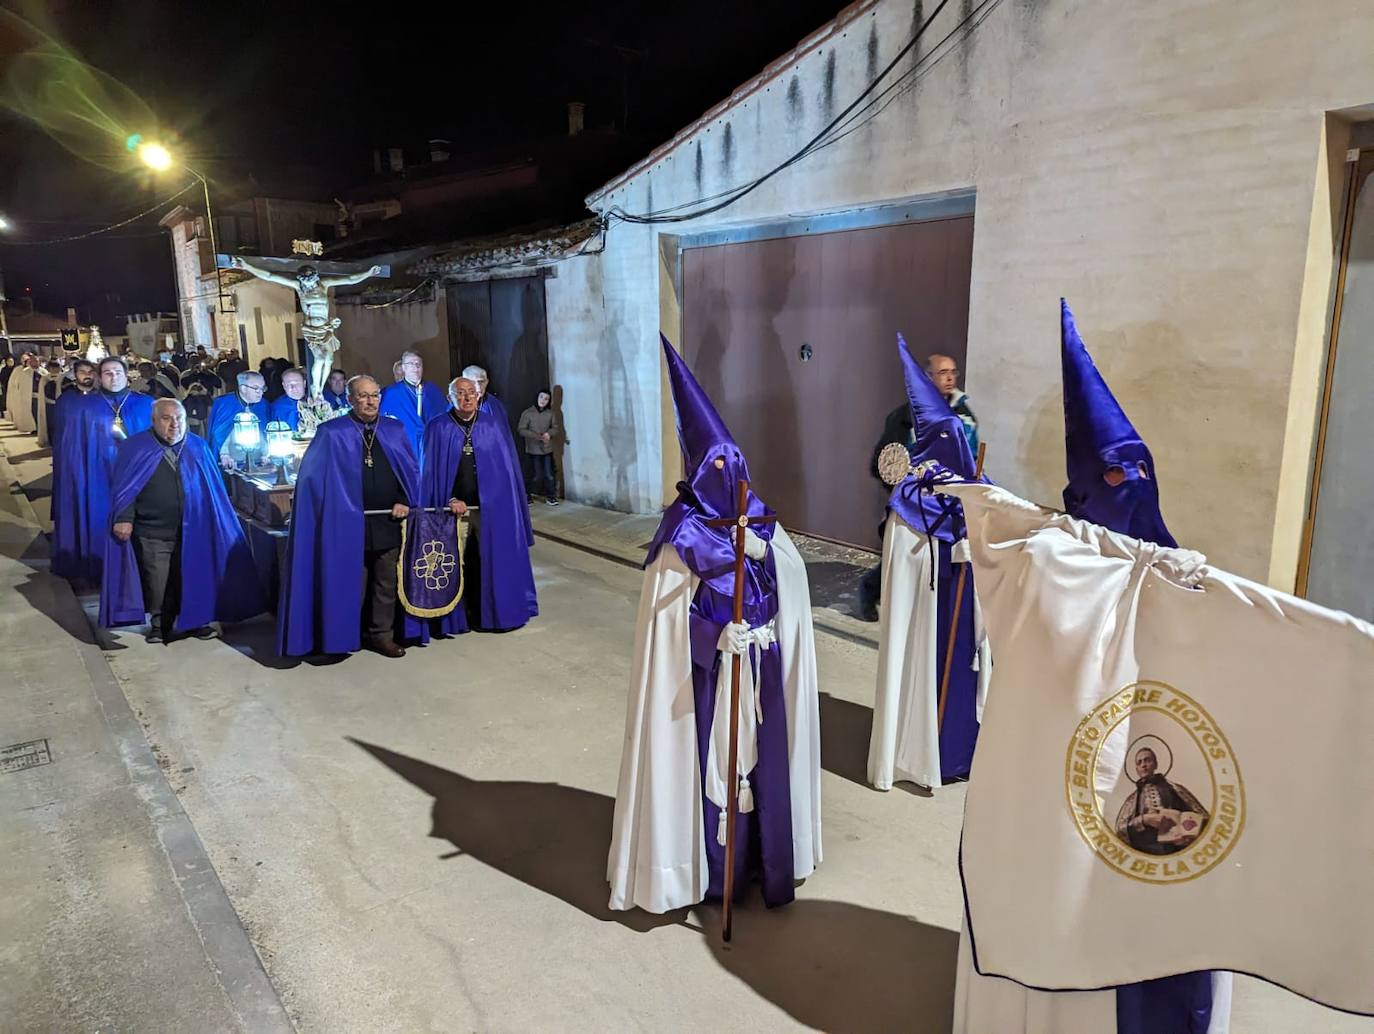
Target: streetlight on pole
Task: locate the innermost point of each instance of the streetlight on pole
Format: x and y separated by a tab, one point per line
159	159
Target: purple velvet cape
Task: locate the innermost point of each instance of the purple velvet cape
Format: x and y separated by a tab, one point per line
218	580
339	401
398	402
222	413
83	462
505	533
287	410
320	607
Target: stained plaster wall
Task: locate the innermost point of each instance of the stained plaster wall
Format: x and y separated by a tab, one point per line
1164	166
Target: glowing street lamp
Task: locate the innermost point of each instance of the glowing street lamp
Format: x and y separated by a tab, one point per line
159	159
5	225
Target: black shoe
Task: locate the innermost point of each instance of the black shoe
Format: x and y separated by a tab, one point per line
154	635
203	632
551	501
387	648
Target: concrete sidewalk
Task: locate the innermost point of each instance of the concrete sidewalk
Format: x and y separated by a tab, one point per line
111	917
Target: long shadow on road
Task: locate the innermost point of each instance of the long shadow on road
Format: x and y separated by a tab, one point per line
831	965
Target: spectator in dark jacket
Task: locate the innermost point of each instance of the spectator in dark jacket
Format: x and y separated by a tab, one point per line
538	428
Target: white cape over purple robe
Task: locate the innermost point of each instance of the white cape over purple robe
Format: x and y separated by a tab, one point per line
657	859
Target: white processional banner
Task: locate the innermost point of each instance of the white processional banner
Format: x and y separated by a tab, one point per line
1174	771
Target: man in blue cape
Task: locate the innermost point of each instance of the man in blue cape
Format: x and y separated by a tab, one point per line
667	845
917	737
336	390
92	428
245	398
1111	482
470	461
340	569
176	550
287	409
81	385
413	402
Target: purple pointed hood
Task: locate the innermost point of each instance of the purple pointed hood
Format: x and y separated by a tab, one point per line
708	492
1111	472
937	434
712	463
938	430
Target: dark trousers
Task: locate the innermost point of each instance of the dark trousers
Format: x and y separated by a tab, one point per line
541	475
472	570
379	594
159	568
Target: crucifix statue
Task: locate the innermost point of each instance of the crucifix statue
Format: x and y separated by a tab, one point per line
318	329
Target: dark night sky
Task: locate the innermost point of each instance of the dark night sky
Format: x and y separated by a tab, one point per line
298	94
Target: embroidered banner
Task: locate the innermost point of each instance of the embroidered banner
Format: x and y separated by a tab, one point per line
431	564
1173	772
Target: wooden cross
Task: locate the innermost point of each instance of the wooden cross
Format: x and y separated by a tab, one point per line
739	522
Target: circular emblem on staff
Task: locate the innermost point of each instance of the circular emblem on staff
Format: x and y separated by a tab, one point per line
1153	785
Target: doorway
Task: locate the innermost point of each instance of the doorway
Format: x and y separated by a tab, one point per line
795	340
500	326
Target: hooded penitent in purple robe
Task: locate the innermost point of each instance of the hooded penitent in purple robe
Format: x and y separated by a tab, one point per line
83	462
320	609
1112	483
899	746
504	596
413	408
218	579
763	835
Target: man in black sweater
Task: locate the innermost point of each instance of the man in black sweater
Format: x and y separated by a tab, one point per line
153	522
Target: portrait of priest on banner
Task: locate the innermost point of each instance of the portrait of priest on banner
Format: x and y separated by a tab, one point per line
1158	816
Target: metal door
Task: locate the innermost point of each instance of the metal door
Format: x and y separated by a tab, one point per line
794	339
499	325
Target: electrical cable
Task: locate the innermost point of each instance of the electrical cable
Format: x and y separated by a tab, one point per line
847	122
652	218
104	229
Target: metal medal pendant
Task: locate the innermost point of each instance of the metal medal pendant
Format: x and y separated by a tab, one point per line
120	431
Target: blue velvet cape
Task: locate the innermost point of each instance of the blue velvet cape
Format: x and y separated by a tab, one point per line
83	462
505	533
222	413
218	579
398	402
320	607
287	410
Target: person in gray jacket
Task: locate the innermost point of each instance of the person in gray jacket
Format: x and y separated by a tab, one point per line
538	428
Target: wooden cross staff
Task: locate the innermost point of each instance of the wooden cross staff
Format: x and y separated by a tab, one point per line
739	522
954	618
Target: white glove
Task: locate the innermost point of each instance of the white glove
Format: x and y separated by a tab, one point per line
734	638
754	547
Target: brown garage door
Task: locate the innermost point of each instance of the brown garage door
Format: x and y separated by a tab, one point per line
808	427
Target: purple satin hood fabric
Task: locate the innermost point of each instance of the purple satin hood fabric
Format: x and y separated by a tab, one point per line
322	585
709	493
218	579
939	435
83	462
508	594
1098	439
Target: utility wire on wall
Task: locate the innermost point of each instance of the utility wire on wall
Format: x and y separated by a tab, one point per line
845	122
104	229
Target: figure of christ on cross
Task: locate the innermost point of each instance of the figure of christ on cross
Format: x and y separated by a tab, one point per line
318	328
740	523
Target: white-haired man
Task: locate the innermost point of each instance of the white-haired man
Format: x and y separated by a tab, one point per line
176	551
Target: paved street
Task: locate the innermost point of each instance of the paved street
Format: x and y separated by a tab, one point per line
420	845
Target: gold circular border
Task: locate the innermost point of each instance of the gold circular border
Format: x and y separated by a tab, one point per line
1211	767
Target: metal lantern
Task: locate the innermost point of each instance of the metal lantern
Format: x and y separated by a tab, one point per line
247	432
279	445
